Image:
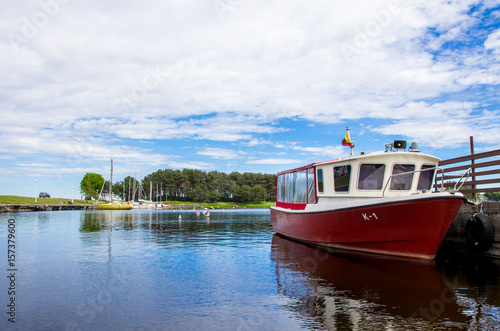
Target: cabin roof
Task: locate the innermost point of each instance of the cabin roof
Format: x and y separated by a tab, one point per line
360	157
297	169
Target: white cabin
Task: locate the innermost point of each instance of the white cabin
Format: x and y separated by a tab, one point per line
365	176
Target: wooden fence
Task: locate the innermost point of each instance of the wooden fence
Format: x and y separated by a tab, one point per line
487	170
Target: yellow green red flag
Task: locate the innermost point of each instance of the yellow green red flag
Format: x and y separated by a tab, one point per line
347	141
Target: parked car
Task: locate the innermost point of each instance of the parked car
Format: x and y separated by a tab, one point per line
44	195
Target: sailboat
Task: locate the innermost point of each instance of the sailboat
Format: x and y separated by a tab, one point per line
113	205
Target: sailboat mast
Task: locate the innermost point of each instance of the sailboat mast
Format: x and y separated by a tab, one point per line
111	182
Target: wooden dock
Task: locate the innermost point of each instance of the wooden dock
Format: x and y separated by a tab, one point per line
456	240
14	208
484	177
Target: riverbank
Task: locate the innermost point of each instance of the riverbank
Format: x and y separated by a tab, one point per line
19	200
10	203
14	204
16	208
217	205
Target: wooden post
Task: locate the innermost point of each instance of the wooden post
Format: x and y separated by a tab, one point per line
471	138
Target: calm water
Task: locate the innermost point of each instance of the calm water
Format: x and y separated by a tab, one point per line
145	270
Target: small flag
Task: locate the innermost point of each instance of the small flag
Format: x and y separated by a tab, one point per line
347	141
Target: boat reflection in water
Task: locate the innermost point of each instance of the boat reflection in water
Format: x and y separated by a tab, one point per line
358	291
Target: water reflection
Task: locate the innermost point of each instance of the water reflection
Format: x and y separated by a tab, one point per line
165	227
475	281
145	270
98	221
358	291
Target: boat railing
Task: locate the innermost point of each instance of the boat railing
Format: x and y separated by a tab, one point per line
467	173
413	172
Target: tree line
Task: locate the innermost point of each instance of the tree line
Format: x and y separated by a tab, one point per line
187	185
197	185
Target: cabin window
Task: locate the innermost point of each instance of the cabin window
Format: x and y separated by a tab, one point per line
426	177
300	186
281	188
296	187
320	181
341	178
371	176
289	188
311	192
402	182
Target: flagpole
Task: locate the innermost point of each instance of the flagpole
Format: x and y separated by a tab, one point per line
349	136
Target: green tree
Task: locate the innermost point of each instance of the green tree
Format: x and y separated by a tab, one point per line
197	195
243	194
492	196
118	189
130	188
91	185
212	196
197	185
258	193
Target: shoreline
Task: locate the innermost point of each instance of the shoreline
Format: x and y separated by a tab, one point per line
16	207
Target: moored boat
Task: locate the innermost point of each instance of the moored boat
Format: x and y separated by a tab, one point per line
381	202
112	205
115	205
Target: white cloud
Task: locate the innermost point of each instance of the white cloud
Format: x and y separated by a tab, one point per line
66	150
221	153
104	79
227	127
191	165
320	150
275	161
493	41
264	57
449	124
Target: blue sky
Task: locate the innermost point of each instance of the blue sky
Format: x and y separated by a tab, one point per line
237	85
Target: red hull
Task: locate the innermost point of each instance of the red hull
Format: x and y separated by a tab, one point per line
410	228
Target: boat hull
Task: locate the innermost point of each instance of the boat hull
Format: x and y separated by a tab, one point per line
114	206
408	227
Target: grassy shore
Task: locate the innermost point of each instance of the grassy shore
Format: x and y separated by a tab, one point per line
17	200
221	204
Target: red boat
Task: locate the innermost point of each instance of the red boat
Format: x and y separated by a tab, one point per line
378	202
